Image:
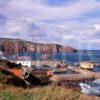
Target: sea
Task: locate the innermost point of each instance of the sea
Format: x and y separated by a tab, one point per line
70	58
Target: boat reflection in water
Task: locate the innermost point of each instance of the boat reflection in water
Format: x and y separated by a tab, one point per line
92	88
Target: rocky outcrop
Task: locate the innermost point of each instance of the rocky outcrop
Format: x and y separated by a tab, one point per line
11	46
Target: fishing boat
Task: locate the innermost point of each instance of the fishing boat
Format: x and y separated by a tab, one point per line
87	65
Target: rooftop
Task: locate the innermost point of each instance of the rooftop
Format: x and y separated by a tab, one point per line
24	58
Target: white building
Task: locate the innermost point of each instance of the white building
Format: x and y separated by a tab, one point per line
24	60
2	57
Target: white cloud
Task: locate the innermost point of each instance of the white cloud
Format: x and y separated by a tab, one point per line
97	27
64	27
13	27
40	11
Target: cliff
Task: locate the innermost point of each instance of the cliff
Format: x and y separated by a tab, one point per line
11	46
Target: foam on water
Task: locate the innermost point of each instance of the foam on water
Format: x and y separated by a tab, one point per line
92	88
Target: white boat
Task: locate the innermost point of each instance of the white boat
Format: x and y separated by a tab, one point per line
91	89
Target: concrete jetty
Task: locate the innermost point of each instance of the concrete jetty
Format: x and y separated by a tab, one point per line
82	76
71	77
85	72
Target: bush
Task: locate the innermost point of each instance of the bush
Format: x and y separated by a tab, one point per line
13	65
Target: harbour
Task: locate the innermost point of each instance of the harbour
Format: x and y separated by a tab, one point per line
52	72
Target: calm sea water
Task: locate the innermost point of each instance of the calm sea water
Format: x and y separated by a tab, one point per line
70	58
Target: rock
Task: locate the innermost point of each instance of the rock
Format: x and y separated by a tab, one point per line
11	46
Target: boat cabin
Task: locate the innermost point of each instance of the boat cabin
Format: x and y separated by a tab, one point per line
87	65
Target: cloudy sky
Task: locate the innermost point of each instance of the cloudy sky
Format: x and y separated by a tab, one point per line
73	23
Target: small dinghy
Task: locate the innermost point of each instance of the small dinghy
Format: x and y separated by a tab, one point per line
92	88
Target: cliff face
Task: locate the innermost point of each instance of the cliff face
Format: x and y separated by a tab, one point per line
11	46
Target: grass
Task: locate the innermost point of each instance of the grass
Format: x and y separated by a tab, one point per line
8	92
7	96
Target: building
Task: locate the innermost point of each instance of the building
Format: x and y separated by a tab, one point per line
87	65
24	60
2	57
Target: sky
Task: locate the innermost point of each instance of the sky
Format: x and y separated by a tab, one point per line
74	23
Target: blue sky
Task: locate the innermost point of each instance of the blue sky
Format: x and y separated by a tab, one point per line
73	23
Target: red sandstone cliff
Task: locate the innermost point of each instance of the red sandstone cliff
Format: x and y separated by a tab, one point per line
11	46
